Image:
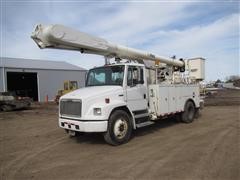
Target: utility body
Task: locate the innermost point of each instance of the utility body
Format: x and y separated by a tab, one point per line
127	94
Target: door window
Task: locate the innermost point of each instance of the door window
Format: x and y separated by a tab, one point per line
135	76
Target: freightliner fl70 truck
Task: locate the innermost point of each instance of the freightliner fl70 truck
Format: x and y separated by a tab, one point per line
133	89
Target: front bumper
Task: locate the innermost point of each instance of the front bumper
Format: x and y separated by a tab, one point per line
83	126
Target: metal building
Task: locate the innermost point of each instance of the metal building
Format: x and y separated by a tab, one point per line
37	79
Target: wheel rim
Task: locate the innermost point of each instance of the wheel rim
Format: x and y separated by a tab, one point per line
120	128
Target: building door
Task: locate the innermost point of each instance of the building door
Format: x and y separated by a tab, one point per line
23	84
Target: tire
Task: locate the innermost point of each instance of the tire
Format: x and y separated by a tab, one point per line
6	108
119	128
189	112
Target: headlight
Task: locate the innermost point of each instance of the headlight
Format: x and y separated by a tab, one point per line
97	111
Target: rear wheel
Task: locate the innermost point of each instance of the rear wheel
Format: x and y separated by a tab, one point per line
189	112
119	128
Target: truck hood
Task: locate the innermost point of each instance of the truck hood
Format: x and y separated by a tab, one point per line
92	91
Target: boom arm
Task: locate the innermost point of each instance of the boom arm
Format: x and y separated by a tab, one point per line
61	37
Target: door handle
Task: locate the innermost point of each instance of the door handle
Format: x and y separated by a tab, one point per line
144	96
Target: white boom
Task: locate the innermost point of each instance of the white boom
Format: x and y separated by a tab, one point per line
61	37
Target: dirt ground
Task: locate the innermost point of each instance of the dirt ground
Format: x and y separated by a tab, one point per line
223	97
34	147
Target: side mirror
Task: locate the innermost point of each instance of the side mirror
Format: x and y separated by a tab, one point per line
135	82
132	83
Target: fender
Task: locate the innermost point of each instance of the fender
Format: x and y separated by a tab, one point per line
192	100
125	108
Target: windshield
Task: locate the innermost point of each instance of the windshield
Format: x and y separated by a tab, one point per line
108	75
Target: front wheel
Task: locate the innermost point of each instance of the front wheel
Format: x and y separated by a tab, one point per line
119	128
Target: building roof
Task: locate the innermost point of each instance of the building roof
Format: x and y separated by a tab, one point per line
37	64
197	58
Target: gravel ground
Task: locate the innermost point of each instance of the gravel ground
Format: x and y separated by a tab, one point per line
34	147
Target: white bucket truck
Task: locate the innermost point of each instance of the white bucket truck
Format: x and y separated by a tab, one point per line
127	94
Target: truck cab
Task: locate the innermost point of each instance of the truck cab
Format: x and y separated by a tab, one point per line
111	90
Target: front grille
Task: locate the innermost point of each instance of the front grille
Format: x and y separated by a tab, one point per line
70	107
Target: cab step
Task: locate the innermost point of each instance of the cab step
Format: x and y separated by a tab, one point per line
143	124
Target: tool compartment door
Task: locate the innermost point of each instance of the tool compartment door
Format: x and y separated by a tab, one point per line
172	98
163	100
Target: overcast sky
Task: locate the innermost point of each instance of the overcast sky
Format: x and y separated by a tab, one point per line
185	29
